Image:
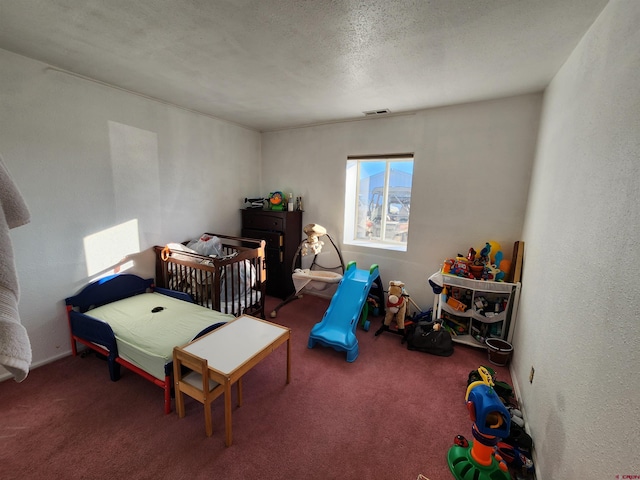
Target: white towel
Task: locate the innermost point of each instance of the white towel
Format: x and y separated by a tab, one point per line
15	348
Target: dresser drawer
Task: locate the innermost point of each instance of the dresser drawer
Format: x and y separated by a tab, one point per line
274	258
262	220
282	232
274	240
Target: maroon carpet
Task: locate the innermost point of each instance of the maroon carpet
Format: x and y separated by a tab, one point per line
391	414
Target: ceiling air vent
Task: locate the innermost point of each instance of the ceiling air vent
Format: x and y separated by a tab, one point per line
383	111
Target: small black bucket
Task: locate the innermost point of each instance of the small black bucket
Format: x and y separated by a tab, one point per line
499	351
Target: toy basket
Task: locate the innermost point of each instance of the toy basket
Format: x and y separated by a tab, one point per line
499	351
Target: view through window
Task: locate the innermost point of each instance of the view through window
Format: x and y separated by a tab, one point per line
378	201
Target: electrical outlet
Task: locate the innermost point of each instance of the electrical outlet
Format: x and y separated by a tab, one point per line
533	370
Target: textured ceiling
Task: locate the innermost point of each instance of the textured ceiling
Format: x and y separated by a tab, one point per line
272	64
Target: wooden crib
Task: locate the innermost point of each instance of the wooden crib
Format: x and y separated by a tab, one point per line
234	282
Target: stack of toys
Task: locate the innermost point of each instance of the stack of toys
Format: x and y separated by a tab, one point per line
489	264
500	449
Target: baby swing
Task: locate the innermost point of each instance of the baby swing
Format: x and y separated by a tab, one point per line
316	277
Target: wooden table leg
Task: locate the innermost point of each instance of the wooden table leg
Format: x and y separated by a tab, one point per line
288	359
227	413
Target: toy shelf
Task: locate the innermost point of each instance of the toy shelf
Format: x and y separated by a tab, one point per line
473	313
477	309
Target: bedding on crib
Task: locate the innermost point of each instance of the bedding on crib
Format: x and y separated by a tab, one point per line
220	272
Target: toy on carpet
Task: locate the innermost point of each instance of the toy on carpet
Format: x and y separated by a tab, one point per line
477	459
518	460
396	308
373	305
337	329
315	278
515	449
502	389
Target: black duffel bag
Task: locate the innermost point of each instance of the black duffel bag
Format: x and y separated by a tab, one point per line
429	337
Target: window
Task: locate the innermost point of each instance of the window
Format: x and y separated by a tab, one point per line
378	201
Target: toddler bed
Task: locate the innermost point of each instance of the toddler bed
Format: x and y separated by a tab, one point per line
220	272
121	318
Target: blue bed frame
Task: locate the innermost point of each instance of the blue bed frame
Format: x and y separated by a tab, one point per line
98	335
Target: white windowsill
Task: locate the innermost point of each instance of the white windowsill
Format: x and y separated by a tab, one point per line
373	244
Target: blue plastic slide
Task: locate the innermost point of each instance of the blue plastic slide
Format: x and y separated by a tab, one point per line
337	328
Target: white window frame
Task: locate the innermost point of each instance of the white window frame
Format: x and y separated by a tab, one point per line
352	195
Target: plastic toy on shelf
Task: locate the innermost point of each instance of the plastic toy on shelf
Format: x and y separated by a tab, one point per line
277	201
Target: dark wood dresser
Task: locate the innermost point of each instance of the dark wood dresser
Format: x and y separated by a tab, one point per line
283	233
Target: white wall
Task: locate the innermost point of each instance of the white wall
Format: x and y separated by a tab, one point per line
579	322
471	176
65	142
89	157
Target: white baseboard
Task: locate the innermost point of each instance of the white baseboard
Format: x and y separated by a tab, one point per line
6	375
516	390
